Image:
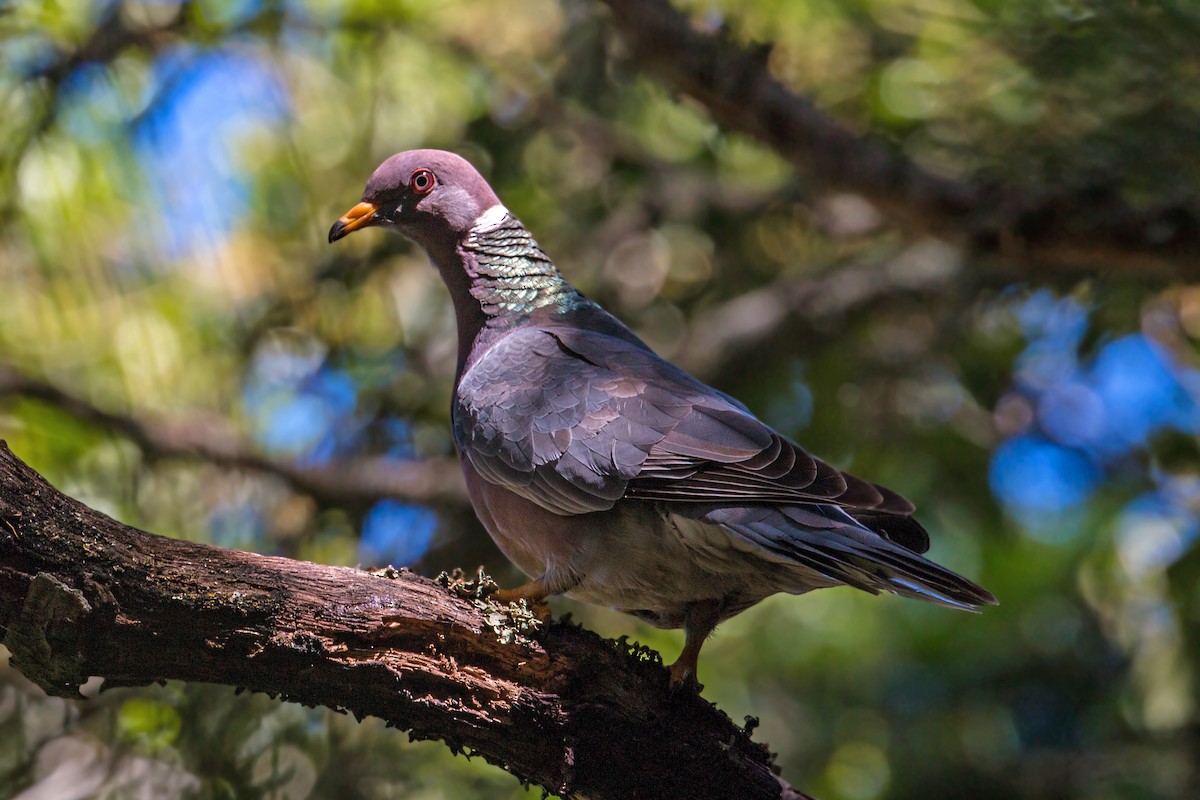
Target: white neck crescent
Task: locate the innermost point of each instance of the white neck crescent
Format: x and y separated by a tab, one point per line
490	219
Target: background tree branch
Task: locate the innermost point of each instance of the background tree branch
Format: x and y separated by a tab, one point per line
1082	231
354	482
716	339
83	595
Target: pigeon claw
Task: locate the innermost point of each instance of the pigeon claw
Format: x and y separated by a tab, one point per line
699	622
683	677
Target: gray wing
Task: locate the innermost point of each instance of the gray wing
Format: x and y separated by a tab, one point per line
574	420
558	429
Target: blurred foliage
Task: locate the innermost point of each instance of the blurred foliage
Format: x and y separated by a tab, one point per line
167	194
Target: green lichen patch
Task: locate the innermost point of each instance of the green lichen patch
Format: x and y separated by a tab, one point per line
516	622
478	588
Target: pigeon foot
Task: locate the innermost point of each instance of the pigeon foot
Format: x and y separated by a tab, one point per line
533	593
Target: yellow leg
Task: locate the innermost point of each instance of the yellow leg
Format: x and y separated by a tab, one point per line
701	619
534	593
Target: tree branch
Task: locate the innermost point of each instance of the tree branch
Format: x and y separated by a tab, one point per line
109	39
720	336
1084	231
356	482
82	595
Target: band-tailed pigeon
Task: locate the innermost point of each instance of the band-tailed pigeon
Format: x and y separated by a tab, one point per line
610	475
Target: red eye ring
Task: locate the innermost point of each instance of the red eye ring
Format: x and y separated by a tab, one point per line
422	181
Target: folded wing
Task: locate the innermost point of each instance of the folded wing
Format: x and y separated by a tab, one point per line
610	419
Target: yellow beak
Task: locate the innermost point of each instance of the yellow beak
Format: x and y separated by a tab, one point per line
360	216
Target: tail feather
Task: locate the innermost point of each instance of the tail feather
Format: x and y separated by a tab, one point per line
903	530
842	549
907	588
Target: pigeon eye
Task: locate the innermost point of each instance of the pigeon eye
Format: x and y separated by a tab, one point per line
421	181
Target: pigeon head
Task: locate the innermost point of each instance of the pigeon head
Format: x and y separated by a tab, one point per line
431	196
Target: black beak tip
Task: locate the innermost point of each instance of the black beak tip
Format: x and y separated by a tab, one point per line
337	231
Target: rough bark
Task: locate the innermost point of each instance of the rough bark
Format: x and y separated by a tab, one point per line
83	595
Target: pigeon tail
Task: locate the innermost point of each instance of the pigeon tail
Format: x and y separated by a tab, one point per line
824	539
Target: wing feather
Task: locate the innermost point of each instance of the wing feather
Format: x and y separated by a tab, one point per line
828	541
574	420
